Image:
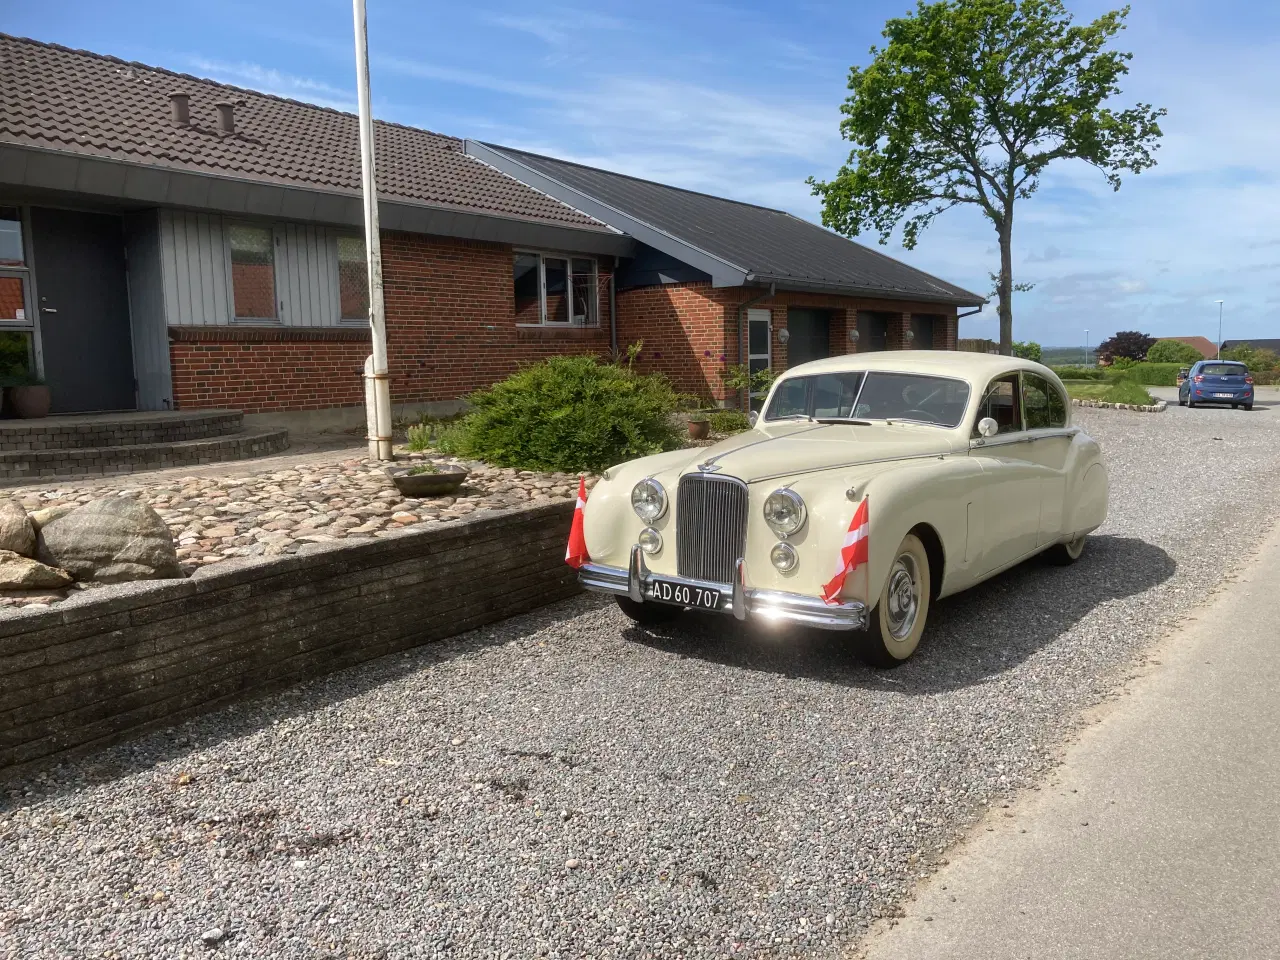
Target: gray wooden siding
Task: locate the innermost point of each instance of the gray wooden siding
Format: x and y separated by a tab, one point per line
147	311
197	271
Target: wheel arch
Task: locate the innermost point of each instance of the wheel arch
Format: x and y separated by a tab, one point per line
936	553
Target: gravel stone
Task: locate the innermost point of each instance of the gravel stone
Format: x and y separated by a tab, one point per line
735	792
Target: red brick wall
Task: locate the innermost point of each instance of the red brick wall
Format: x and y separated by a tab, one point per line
255	368
254	288
11	300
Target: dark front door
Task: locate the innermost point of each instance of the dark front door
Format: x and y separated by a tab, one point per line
810	333
873	332
922	327
84	310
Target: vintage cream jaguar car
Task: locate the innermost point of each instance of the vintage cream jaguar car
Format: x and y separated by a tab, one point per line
967	464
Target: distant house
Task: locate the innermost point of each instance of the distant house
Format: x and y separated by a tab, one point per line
171	242
1262	344
1203	344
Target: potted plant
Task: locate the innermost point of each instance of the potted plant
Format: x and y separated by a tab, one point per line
699	426
27	396
427	479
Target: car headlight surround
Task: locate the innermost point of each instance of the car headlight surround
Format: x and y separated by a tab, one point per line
784	557
650	541
784	512
648	500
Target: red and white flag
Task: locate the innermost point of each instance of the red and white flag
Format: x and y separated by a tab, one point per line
853	554
577	555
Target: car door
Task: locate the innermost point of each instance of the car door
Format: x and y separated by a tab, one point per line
1010	498
1048	447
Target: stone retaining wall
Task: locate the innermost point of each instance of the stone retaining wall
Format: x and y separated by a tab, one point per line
112	662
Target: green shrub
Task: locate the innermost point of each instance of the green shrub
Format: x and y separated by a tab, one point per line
567	414
1080	373
1028	350
1117	391
729	421
1124	363
1150	374
419	435
1174	351
1257	360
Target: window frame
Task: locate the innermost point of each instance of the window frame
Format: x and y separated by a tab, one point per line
24	272
1050	391
1018	433
593	320
273	229
338	237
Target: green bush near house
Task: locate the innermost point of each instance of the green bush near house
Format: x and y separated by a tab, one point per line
567	414
1116	391
1027	350
1174	351
729	421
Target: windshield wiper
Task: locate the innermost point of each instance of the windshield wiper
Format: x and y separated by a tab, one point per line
792	416
856	423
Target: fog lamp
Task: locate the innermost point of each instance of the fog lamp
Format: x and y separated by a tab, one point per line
784	557
650	540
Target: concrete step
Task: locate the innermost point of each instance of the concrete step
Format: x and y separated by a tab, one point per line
98	430
26	466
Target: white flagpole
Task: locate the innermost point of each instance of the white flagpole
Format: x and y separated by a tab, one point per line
380	413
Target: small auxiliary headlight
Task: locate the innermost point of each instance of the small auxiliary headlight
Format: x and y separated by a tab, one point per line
650	540
784	557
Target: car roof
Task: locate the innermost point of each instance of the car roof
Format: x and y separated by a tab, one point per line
944	363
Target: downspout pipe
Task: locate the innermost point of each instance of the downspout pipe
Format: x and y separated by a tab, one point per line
744	396
613	312
377	396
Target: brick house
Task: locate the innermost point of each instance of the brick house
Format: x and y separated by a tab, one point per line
170	242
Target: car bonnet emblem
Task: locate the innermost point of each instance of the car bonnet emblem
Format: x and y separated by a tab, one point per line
709	467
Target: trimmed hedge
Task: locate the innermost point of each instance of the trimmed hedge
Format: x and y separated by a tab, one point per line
1079	373
1153	374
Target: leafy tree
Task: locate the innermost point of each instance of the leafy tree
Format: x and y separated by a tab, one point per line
968	103
1030	350
1174	351
1129	344
1256	359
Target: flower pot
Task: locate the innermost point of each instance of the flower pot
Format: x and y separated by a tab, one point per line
699	429
30	402
417	485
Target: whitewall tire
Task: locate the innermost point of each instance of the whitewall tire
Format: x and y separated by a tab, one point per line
898	620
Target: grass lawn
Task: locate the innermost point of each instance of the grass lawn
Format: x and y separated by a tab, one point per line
1114	391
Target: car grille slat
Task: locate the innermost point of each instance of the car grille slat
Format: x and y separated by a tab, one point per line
711	527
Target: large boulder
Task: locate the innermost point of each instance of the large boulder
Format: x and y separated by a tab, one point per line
16	533
22	573
110	541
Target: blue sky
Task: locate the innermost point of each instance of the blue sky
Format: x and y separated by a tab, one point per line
743	100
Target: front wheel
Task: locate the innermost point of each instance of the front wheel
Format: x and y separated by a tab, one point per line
647	614
1248	406
1065	554
898	619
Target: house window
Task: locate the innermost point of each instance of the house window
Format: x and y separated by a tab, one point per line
353	280
555	290
759	353
13	269
253	271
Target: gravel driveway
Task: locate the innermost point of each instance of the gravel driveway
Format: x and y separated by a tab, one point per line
563	784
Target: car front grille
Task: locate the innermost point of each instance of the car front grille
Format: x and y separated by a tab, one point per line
711	526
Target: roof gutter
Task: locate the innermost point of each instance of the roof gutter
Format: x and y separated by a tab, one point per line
963	298
744	396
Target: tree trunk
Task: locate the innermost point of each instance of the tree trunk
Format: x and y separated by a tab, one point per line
1005	290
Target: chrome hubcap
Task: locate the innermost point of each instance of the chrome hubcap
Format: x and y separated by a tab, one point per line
903	600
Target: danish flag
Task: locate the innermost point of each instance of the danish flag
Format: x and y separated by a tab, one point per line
577	554
853	553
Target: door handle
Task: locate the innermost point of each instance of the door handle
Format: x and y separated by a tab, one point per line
48	309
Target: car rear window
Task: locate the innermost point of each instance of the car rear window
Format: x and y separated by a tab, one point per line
1224	369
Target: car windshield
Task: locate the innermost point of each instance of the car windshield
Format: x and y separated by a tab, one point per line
939	401
1224	369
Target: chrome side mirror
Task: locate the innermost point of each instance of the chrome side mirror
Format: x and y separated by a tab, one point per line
753	417
987	427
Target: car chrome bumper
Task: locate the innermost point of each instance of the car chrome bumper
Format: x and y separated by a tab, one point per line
741	601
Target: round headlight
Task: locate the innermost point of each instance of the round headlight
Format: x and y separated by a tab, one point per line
648	500
784	557
784	512
650	540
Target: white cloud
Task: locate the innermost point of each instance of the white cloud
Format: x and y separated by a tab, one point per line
268	80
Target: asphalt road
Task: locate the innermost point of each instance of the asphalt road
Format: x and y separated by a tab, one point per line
1159	837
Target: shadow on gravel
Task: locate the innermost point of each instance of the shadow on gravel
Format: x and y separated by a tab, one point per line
265	706
970	637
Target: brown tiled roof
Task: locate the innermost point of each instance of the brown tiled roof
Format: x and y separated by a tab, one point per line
1203	344
87	103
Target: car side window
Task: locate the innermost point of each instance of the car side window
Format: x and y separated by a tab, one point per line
1000	403
1043	403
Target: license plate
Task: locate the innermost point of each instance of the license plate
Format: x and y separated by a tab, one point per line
681	594
1225	396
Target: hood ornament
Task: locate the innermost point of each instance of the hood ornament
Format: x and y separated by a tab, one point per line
709	466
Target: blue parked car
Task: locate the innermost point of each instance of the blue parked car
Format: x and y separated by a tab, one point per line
1217	381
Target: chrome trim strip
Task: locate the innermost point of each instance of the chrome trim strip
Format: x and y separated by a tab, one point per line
854	463
771	605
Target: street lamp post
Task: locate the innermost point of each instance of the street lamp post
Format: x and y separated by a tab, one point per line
1219	303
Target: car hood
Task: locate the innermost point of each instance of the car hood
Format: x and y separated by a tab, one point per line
798	448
